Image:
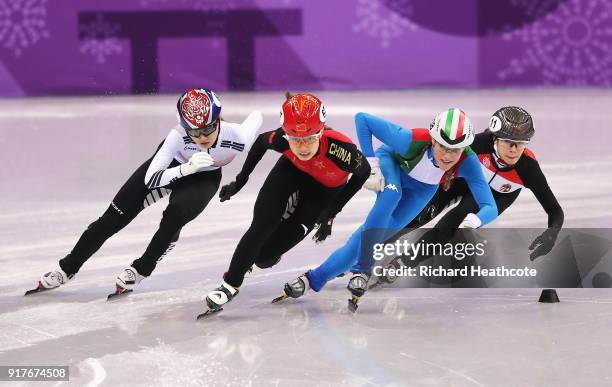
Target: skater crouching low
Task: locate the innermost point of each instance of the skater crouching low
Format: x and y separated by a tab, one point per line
186	166
308	187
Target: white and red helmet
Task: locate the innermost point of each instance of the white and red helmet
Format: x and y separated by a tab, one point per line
452	128
198	108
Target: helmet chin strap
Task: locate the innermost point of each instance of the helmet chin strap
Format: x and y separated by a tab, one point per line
497	159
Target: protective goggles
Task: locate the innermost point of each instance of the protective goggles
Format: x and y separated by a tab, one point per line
205	131
304	140
518	143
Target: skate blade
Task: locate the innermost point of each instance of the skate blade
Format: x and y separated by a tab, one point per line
119	293
280	298
38	289
352	304
209	312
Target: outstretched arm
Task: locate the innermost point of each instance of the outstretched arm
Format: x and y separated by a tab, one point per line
262	143
535	180
268	140
471	170
393	135
250	126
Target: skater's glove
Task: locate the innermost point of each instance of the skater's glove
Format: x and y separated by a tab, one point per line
376	181
228	190
543	244
196	162
471	221
324	229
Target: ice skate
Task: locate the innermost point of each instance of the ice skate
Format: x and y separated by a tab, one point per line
50	280
357	286
126	282
294	289
217	298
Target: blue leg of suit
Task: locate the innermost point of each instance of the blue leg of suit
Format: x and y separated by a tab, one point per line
402	199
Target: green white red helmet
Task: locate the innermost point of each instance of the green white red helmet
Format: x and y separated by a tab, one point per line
452	128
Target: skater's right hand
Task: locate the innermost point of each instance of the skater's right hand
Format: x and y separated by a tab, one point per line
228	190
196	162
471	221
376	181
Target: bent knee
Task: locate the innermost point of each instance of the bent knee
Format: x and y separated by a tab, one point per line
266	262
175	217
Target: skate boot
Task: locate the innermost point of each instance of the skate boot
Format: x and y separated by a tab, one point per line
294	289
50	280
386	278
357	286
126	282
219	297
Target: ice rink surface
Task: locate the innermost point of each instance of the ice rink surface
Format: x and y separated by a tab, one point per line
64	158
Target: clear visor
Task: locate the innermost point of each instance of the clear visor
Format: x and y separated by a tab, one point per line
514	142
303	140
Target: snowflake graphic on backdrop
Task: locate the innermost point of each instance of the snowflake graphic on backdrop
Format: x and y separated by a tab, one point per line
22	23
536	9
99	39
380	22
572	45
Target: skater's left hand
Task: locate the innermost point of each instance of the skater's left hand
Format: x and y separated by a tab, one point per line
323	231
543	244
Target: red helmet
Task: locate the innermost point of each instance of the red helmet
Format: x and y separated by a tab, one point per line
302	115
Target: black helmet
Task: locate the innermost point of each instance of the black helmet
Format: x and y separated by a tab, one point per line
512	123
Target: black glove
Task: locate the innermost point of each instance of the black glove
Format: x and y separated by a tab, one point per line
543	243
323	230
228	190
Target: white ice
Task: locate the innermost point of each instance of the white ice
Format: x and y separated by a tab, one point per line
64	158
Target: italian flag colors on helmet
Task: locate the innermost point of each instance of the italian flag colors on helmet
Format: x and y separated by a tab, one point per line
455	121
452	128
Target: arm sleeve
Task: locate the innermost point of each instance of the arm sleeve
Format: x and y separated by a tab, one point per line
534	179
360	170
158	174
267	140
393	135
471	171
250	126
